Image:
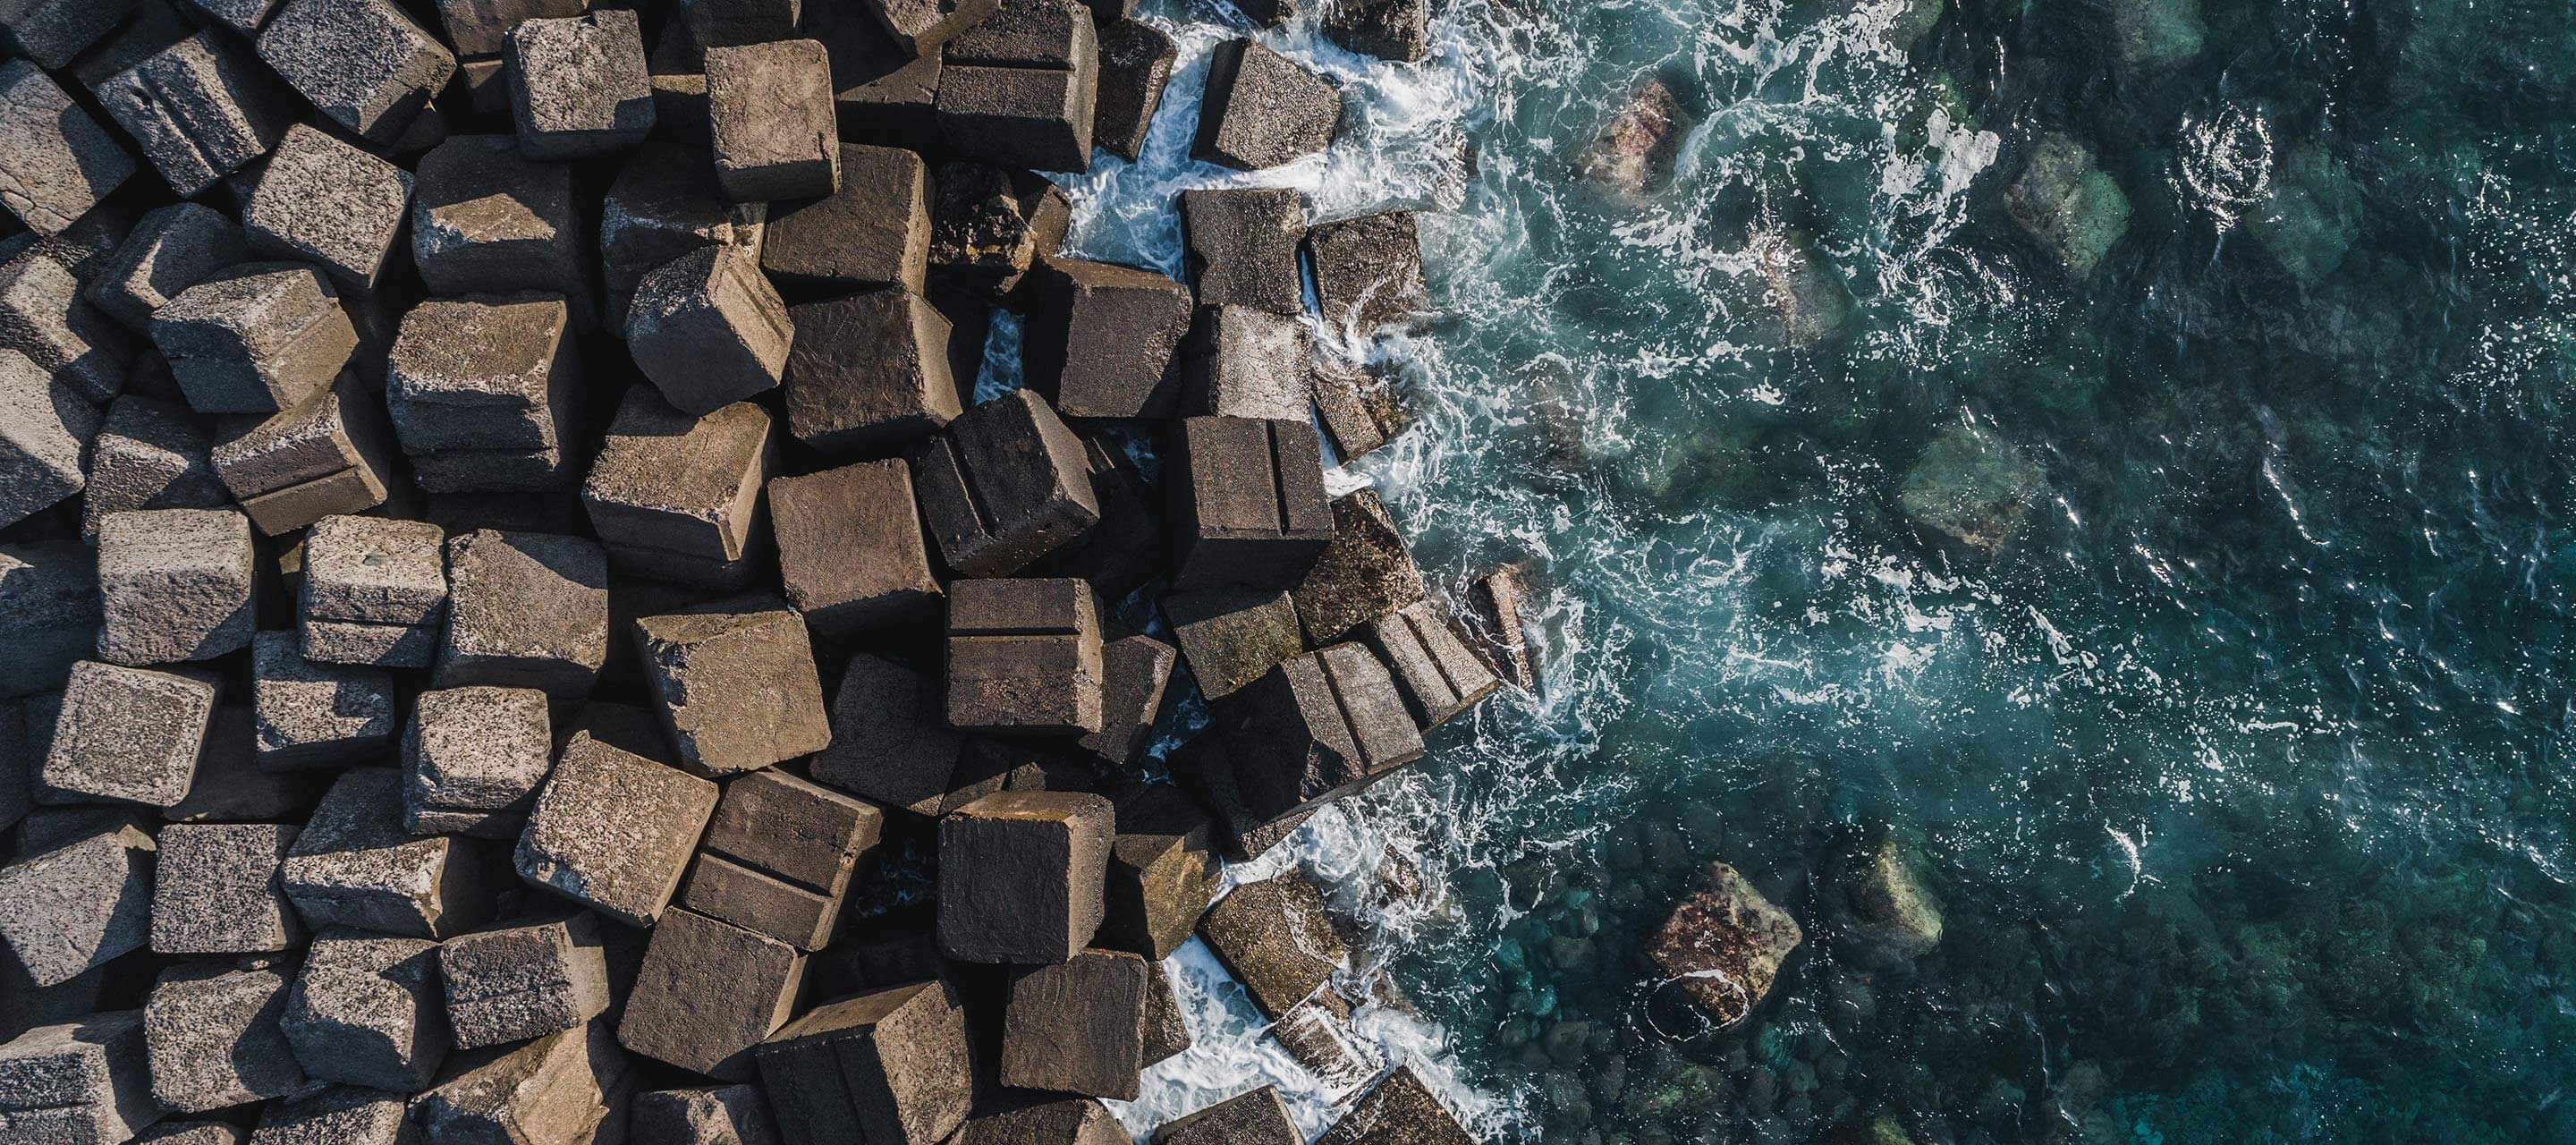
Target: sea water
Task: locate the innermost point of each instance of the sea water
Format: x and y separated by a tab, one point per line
2194	619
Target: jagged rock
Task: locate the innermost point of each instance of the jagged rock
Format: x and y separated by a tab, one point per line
1633	156
1887	914
1724	945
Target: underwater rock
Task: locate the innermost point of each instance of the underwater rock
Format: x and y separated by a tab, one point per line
1885	913
1632	158
1810	305
1725	945
2068	204
1972	487
2313	215
2149	34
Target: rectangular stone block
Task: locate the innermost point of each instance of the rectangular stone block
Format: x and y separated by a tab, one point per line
1368	271
921	28
482	27
873	231
375	645
1400	1107
339	430
707	328
148	455
44	319
779	856
55	161
211	1035
1440	675
1135	669
578	85
483	374
363	63
555	1090
1101	338
523	979
1275	937
325	202
339	1115
525	610
1125	550
374	570
677	482
708	1115
1077	1027
44	430
1232	637
1035	118
1263	110
169	250
775	129
51	32
709	993
885	92
77	905
1397	30
1136	61
1004	485
737	684
1167	1036
1248	505
1024	656
851	550
355	865
893	1064
260	340
1162	871
1020	876
309	714
869	371
1366	573
200	109
1240	245
1500	601
215	889
486	218
1255	1118
231	787
890	741
1318	1033
1361	409
83	1081
1317	727
365	1011
614	831
473	759
664	204
990	225
126	735
1241	361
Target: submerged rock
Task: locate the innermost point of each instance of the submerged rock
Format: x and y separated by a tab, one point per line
1725	945
2148	34
1972	487
1810	305
2313	214
2068	204
1633	156
1885	914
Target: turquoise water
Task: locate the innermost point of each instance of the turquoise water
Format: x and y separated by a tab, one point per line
2240	768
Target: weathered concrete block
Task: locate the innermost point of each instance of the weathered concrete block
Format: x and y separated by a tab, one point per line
328	454
779	856
148	455
211	1034
354	865
169	250
737	684
1248	503
328	203
679	483
1035	118
1361	408
1397	30
1024	656
77	905
894	1064
885	91
1162	871
1136	61
482	27
84	1081
199	108
523	980
1276	939
1232	637
1317	1032
1263	110
55	161
1317	727
215	889
1078	1026
712	1115
1440	675
868	371
890	742
258	341
231	787
339	1115
1135	669
51	32
473	759
1020	876
525	610
555	1090
1240	245
1101	339
1500	601
1240	361
709	993
774	129
922	26
310	714
1036	1119
664	204
482	374
1126	549
45	427
361	62
578	85
44	319
708	329
1255	1118
1368	270
375	570
1029	491
191	1133
1167	1035
1366	573
128	735
614	831
1400	1109
486	218
874	230
365	1011
990	225
851	550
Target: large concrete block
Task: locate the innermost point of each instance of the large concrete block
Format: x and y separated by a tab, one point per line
1263	110
1126	549
664	204
338	1115
260	340
614	831
329	454
578	85
354	865
52	32
555	1090
81	1082
524	979
473	759
1035	1119
1366	573
710	1115
1077	1027
328	203
1398	30
991	224
313	714
1276	938
1368	270
922	25
55	161
482	27
1024	656
1255	1118
890	740
1317	727
886	92
1136	61
678	482
1400	1110
869	371
1004	485
1240	245
45	319
774	128
365	1011
126	735
1242	361
45	428
169	250
211	1034
1440	675
873	231
363	63
215	889
1135	669
1101	339
77	905
708	328
1248	506
709	992
737	684
525	610
1020	876
851	551
486	218
894	1064
1034	118
779	857
148	455
201	109
1232	637
1162	871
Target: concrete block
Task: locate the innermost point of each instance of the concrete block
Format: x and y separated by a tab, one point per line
45	428
486	218
1126	548
773	125
1078	1026
1317	727
578	85
325	202
44	319
338	1115
1004	485
473	759
1036	1119
708	329
1317	1032
1024	657
1263	110
922	27
737	684
374	570
77	905
990	225
868	371
1240	245
521	980
1500	601
1241	361
83	1081
126	735
1400	1108
1255	1118
169	250
893	1064
614	831
679	482
1360	409
1162	871
482	27
779	856
890	742
365	1011
363	63
1136	61
1020	876
51	32
1166	1035
1398	30
309	714
555	1090
482	374
1034	118
710	1115
1276	939
231	787
328	454
1232	637
851	550
1366	573
1100	340
664	204
1248	507
1368	270
1135	669
212	1037
709	993
215	889
525	610
885	92
874	230
258	341
200	109
1440	675
55	161
148	455
354	865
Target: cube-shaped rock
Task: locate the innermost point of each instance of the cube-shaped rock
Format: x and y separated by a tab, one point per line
1077	1027
1366	573
1368	270
55	161
1318	1033
1241	361
1004	485
1024	656
52	32
201	109
1167	1035
920	28
44	319
212	1036
486	218
578	84
775	130
1240	245
1321	725
678	482
1136	61
45	427
664	204
148	455
258	341
523	980
82	1081
482	27
1036	118
481	374
1248	503
1162	871
365	1011
737	684
1440	675
868	371
473	759
329	454
1263	110
338	1115
374	570
1232	637
708	993
525	610
708	329
1126	548
169	250
126	735
215	889
361	62
873	231
1101	340
1255	1118
893	1065
779	856
78	905
1276	938
325	202
712	1115
354	865
1400	1108
310	714
614	830
1397	30
890	741
1362	408
990	225
1020	876
231	787
851	549
1134	670
555	1090
1037	1119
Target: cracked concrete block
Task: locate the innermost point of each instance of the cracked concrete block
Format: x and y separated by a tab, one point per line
55	161
200	109
259	340
355	865
363	63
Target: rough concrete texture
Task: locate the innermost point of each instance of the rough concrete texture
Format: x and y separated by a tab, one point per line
1020	876
473	758
709	993
774	126
200	109
707	328
1245	362
555	1090
1005	484
310	714
363	63
258	340
44	319
894	1063
339	1115
524	610
1400	1111
737	685
1105	335
1368	271
354	865
215	889
126	735
148	455
1024	656
486	218
873	231
482	374
679	482
1263	110
44	430
711	1115
1248	503
578	85
889	740
1255	1118
1232	637
365	1011
614	830
211	1034
73	907
1366	573
1077	1027
851	552
84	1081
1040	1120
55	161
520	980
1136	61
374	570
868	371
328	203
1277	940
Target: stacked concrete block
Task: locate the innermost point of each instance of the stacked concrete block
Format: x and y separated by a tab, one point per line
991	225
258	340
1263	110
55	161
1100	340
327	455
1020	88
779	857
614	831
1134	671
309	713
873	230
676	495
1398	30
664	204
148	455
774	127
327	203
885	92
363	63
868	371
126	735
479	31
483	393
1318	726
1020	876
1136	61
709	993
338	1115
1440	675
1077	1026
77	905
578	85
169	250
524	610
707	328
1125	549
851	551
355	865
215	889
89	1080
486	218
1276	938
1162	871
1366	573
522	980
45	319
211	1034
1255	1118
1245	362
1240	245
473	759
365	1011
1317	1032
374	591
1232	637
1248	505
45	429
1400	1108
200	109
893	1064
554	1090
890	740
1024	657
736	682
709	1115
1004	485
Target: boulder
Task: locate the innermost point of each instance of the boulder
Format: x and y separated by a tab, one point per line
1724	945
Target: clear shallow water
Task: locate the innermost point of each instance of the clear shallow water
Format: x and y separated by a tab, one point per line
2241	771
